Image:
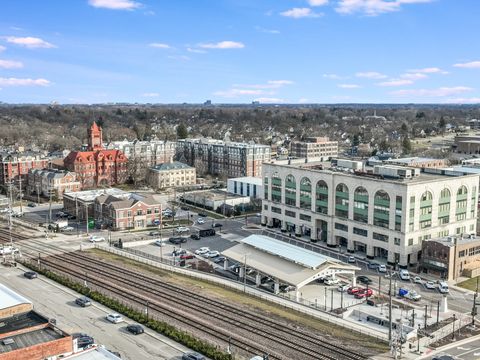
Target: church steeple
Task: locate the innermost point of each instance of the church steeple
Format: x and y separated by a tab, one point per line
95	141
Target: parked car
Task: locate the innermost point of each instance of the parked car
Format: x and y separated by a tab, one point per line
430	285
404	275
31	204
443	287
158	242
343	287
351	260
353	290
135	329
96	238
83	301
193	356
382	268
30	275
114	318
177	240
219	259
202	214
417	280
364	279
187	256
154	233
202	250
67	229
331	281
413	295
156	222
178	252
215	225
195	237
364	293
201	221
83	340
373	266
184	208
212	254
182	229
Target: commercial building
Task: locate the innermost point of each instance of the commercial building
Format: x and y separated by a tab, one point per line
133	212
171	174
27	335
417	162
452	256
97	166
150	153
51	182
385	211
14	165
246	186
318	148
213	199
217	157
467	144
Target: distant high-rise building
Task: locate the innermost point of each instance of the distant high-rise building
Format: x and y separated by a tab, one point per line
315	148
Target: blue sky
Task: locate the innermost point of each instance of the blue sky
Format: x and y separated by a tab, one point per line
236	51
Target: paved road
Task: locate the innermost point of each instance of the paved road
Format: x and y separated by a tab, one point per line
464	351
57	302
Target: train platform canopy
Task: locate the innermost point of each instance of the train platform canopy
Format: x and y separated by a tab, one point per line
284	262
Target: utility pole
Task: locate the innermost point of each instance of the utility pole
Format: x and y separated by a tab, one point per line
38	193
474	307
50	205
390	309
86	216
245	274
21	194
425	317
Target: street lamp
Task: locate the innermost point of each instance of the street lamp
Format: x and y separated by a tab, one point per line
245	274
418	339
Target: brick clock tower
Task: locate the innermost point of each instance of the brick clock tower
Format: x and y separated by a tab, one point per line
95	137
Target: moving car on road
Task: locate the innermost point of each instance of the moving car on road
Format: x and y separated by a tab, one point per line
352	260
96	238
135	329
201	221
114	318
215	225
30	275
364	279
182	229
193	356
195	237
83	301
382	269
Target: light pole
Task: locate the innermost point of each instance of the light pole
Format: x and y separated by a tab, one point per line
453	332
245	274
418	339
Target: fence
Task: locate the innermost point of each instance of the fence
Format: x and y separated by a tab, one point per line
447	330
241	287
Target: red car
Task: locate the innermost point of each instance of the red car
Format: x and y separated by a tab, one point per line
186	256
364	293
353	290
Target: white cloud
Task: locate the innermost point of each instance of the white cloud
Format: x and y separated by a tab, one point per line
303	101
271	84
298	13
473	100
414	76
196	51
396	82
317	2
278	83
332	76
115	4
370	75
10	64
267	31
2	48
223	45
269	100
373	7
23	82
348	86
439	92
428	70
469	65
29	42
254	89
159	45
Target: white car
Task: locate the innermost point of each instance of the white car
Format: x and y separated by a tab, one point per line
182	229
67	228
343	287
202	251
201	221
331	281
95	238
352	260
114	318
212	254
159	242
417	280
382	269
7	250
413	295
430	285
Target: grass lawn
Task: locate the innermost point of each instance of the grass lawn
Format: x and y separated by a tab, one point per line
470	284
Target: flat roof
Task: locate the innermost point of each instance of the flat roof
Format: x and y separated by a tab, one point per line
22	321
9	298
96	353
248	179
91	195
287	251
213	195
29	339
408	160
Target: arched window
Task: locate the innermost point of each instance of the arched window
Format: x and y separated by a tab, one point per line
462	190
360	205
381	209
321	202
341	200
290	190
305	193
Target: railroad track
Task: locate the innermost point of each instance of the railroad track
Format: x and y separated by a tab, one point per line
307	344
5	236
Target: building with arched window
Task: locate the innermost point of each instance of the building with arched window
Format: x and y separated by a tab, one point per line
382	212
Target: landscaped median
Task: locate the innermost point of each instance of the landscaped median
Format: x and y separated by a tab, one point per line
161	327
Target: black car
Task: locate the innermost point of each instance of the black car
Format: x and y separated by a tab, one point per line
185	208
30	204
443	357
177	240
219	259
30	275
193	356
154	233
202	215
364	279
83	340
135	329
83	301
195	237
217	225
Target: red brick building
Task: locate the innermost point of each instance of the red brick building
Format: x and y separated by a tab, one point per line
97	166
16	164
